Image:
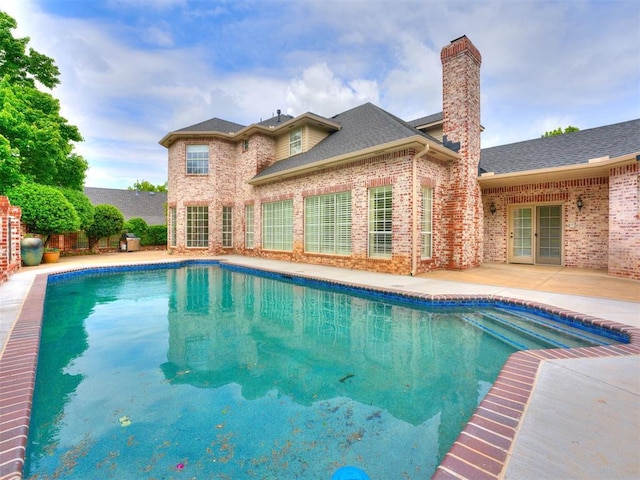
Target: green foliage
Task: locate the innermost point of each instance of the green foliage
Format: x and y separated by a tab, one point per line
45	210
137	226
21	65
10	175
82	204
157	235
107	220
40	141
145	186
559	131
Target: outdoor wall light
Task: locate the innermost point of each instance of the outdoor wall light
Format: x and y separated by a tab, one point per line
492	208
579	203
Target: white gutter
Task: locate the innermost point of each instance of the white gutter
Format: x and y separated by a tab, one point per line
414	210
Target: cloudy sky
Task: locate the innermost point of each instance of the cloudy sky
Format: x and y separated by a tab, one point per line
133	70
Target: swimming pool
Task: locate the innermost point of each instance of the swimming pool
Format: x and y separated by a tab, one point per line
227	396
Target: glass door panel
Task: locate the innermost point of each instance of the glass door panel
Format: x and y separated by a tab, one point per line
549	235
521	235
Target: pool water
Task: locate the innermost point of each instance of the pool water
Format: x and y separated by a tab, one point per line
203	372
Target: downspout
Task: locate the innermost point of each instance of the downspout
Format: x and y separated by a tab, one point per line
414	210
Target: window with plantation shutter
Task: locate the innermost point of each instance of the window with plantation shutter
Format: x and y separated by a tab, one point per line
327	224
380	221
277	226
248	226
427	222
227	227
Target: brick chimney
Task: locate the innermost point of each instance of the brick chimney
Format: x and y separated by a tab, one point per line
461	123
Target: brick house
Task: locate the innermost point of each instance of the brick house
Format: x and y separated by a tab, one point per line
367	190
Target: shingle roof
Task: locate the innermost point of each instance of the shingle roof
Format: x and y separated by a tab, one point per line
146	205
562	150
436	117
213	125
361	127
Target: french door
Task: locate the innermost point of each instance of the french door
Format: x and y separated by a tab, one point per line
535	234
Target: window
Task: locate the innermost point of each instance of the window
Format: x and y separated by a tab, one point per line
327	223
197	159
245	145
427	222
248	226
172	227
380	223
277	226
295	141
197	226
227	227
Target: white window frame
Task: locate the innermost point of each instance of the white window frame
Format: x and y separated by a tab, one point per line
426	233
197	227
249	237
227	227
380	236
295	141
327	223
277	226
197	160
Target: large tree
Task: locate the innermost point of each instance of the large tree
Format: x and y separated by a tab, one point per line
36	142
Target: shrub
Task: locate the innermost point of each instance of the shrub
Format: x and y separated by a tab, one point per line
82	204
45	210
157	235
137	226
107	220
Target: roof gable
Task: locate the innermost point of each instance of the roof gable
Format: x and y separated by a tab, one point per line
562	150
362	127
213	125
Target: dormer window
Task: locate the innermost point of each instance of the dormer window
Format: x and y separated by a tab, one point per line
295	141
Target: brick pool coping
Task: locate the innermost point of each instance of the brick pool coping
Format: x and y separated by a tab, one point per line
481	451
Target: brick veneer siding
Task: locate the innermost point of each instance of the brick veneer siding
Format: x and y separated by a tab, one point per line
10	234
461	123
624	221
586	231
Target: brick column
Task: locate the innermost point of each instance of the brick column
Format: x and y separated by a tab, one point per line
461	114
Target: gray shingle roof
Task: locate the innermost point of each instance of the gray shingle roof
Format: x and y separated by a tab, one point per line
213	125
436	117
361	127
146	205
562	150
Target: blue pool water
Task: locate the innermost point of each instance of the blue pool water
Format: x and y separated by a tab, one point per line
206	372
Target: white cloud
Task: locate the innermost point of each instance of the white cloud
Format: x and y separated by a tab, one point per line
319	90
130	78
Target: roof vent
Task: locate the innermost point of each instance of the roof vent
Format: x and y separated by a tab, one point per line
278	115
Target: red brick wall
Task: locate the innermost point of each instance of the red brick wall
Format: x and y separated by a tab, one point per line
624	221
586	232
10	235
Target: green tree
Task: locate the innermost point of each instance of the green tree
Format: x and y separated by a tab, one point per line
42	139
23	65
39	138
137	226
82	204
107	220
145	186
10	174
559	131
45	210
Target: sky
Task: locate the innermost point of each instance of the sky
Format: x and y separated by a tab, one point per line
134	70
